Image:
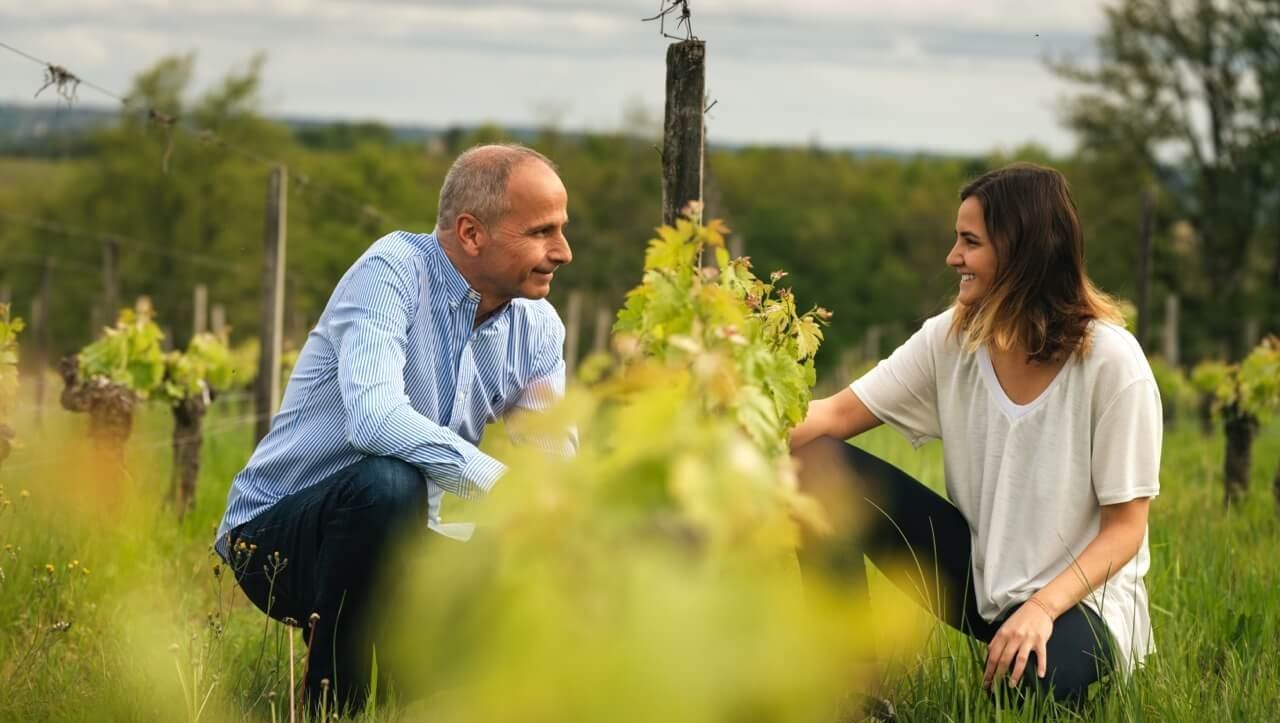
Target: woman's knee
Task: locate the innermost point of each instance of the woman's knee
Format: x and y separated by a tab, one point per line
1062	683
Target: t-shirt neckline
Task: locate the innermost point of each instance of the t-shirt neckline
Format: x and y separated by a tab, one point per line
1011	409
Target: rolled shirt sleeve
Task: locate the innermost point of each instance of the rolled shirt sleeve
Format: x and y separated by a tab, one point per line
368	327
1126	445
902	390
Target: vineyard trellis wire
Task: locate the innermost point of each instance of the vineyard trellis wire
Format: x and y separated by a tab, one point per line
687	165
149	247
66	84
206	136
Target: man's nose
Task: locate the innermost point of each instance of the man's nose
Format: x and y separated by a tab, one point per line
561	253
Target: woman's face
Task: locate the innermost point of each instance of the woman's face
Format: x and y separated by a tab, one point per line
973	256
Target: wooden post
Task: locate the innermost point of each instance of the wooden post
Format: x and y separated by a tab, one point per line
1144	270
736	245
40	334
6	294
267	388
684	127
110	280
1170	330
35	321
1252	332
844	369
871	343
604	324
218	320
200	310
572	332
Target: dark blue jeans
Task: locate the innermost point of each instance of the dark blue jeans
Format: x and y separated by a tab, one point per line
333	540
884	514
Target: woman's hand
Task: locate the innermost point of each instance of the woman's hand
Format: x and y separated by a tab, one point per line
1026	631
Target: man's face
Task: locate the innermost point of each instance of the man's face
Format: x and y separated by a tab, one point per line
527	245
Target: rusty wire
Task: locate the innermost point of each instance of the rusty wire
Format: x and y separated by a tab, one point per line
685	18
67	83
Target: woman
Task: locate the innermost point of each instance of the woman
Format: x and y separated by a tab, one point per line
1051	430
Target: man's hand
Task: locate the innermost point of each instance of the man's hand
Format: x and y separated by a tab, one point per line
1025	632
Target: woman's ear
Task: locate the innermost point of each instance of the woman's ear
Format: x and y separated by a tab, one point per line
470	233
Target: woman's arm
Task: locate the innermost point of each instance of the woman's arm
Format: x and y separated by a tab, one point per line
841	416
1119	537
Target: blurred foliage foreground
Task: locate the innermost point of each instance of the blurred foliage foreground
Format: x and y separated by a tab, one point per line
651	576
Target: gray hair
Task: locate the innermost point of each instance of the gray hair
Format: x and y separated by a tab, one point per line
477	182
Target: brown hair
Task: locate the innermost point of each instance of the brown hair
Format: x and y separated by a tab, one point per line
1041	299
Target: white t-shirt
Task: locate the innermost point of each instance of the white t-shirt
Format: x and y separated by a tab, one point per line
1030	479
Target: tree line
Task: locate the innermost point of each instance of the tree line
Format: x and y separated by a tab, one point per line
865	234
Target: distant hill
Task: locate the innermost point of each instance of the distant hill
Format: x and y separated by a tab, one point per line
47	129
31	129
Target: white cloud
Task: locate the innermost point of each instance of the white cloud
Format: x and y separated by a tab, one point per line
922	73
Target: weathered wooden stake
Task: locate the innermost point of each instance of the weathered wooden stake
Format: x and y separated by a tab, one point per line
110	281
572	332
604	323
267	388
1251	333
684	127
218	320
1170	331
200	310
40	334
1144	269
871	343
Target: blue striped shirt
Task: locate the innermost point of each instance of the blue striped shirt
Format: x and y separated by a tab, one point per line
396	367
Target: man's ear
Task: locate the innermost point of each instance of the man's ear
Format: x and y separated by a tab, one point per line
470	232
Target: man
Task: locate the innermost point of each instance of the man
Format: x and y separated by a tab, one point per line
425	340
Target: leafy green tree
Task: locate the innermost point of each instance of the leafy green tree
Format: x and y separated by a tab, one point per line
1194	80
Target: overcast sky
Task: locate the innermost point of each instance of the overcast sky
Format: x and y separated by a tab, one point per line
945	75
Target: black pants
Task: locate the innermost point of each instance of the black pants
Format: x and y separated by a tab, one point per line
922	542
333	540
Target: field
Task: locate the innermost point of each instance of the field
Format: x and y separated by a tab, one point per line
111	609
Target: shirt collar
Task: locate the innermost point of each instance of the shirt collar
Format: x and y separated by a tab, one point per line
457	290
458	293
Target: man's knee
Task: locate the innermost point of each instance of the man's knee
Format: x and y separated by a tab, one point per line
388	487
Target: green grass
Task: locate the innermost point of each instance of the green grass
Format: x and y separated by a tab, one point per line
1213	583
153	631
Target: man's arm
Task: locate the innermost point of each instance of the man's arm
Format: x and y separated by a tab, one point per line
547	388
368	327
